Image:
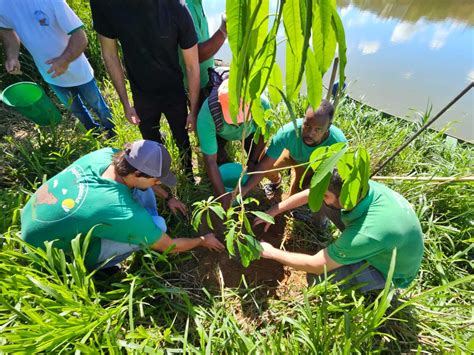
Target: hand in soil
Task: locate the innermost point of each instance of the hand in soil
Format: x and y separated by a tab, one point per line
210	241
258	221
176	205
267	250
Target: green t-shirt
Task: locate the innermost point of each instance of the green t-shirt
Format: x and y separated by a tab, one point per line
77	199
382	221
207	132
286	138
202	30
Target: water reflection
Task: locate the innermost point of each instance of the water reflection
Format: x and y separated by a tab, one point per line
403	55
414	10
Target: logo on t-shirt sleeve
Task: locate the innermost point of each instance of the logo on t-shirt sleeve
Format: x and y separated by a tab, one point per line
42	18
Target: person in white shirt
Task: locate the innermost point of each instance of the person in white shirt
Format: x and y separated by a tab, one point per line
54	36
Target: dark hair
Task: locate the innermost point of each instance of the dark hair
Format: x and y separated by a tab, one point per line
325	109
122	166
335	184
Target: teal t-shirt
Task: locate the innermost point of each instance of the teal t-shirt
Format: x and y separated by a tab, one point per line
202	31
382	221
207	132
77	199
286	138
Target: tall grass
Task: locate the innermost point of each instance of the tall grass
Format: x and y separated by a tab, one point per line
50	303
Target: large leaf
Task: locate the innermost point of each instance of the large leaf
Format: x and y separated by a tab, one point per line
314	80
306	11
275	85
341	41
317	36
294	46
330	45
327	165
355	169
264	216
316	193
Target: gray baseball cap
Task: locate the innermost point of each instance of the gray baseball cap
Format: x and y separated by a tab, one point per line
153	159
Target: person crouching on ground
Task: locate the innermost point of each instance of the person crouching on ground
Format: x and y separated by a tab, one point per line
380	222
215	128
291	146
110	192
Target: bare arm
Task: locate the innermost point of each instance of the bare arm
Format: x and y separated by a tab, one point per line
11	43
184	244
314	264
265	164
209	48
75	47
114	68
191	61
290	203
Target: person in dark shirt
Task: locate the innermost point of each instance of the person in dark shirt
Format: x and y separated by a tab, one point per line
150	33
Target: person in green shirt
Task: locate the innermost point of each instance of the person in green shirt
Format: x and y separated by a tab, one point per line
380	222
207	45
212	139
112	194
294	145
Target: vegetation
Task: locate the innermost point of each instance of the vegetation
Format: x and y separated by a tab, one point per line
50	303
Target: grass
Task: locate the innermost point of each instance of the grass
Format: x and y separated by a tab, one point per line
158	304
51	305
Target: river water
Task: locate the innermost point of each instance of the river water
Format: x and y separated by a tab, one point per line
403	56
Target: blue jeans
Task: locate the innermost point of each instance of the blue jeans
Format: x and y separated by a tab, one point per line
117	251
76	98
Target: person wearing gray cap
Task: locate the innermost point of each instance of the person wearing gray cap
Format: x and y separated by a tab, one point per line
109	193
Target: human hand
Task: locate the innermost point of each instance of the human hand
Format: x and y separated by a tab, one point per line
131	115
191	122
267	251
258	221
58	66
210	242
176	205
223	26
13	66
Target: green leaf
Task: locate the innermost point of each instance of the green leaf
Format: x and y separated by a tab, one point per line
254	246
294	46
275	85
247	225
218	210
258	114
341	42
229	240
245	253
316	193
327	165
264	216
317	39
330	45
314	80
